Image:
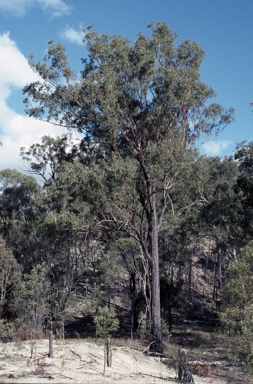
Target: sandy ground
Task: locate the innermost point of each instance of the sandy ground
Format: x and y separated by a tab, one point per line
79	361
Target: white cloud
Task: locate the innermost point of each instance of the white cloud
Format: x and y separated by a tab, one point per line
74	36
10	72
216	148
16	130
59	7
20	7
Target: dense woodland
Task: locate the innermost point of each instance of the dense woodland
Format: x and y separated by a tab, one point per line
128	221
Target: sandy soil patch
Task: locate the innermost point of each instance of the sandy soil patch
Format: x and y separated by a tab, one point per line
79	361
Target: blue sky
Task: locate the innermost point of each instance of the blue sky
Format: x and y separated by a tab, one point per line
224	28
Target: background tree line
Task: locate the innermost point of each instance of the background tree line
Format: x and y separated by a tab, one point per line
130	213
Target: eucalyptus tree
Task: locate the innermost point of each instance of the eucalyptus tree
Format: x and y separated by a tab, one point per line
34	236
237	309
10	274
204	224
140	106
45	158
20	213
219	216
31	302
18	192
209	223
244	187
136	266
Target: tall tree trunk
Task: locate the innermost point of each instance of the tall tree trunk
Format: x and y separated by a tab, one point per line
133	298
219	267
155	278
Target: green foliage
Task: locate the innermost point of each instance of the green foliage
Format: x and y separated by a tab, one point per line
141	108
106	321
21	214
31	298
97	297
125	80
45	159
10	273
17	199
244	187
165	330
245	342
7	330
144	326
237	314
172	356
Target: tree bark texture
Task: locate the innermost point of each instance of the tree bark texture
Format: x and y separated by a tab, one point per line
155	279
50	354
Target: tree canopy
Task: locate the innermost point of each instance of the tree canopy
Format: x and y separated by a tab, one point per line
141	109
